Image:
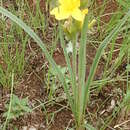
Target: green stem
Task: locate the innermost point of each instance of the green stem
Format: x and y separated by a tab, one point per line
74	68
128	62
82	71
107	64
10	104
80	127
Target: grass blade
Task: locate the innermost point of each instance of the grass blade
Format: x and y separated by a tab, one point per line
82	69
99	54
62	42
31	33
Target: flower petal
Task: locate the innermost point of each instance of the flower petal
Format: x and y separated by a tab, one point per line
85	11
76	2
77	14
60	13
61	1
54	11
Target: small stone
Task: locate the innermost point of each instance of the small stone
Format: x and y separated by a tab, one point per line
32	128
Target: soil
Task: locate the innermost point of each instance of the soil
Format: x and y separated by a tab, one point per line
57	116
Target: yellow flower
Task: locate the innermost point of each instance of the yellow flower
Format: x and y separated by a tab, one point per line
68	8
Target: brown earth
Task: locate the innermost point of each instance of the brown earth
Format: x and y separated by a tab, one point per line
32	86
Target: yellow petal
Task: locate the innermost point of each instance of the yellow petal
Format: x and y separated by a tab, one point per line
66	9
70	2
54	11
61	1
75	3
85	11
77	14
60	13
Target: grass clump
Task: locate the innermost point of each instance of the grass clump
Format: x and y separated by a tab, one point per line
76	87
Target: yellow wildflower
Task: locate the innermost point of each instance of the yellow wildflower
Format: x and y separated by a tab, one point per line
68	8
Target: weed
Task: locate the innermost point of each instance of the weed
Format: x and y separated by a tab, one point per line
78	89
19	107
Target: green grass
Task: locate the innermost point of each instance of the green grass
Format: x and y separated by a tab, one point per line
12	52
112	53
14	42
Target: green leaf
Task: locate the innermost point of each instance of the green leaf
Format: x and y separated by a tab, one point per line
31	33
124	4
18	107
128	67
89	127
99	53
127	97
